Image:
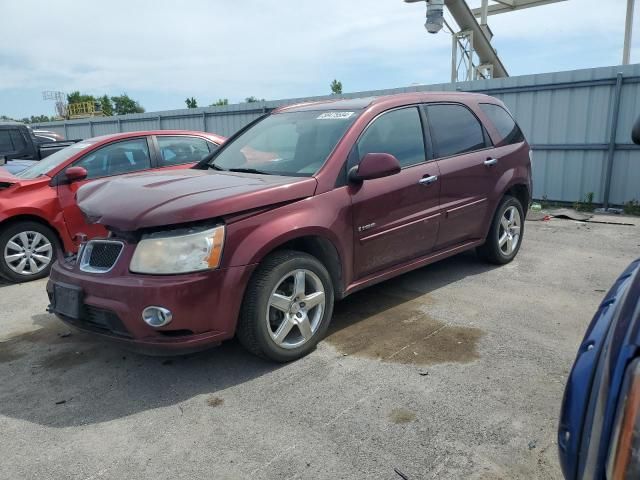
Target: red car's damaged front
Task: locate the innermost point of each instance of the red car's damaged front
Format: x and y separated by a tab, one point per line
38	209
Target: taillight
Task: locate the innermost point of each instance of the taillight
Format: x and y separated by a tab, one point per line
624	455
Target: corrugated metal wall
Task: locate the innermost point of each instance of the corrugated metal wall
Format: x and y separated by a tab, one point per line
567	117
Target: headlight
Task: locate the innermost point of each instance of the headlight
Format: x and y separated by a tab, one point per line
178	251
624	455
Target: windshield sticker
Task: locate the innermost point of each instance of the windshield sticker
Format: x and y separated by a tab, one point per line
335	115
80	145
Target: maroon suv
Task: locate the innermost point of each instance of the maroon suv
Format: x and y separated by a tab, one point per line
300	208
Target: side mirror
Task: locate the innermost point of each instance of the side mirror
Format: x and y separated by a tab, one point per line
375	165
75	174
635	132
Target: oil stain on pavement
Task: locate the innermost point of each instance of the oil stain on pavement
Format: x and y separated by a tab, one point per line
380	325
401	415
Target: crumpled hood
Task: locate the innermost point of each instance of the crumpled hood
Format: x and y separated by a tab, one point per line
132	202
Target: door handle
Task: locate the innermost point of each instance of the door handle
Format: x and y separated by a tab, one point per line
490	162
428	180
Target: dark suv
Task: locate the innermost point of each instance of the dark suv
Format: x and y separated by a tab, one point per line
302	207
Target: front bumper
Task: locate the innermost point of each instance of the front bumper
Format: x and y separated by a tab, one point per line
205	305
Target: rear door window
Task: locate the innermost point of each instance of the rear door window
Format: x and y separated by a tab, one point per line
18	141
5	142
398	132
177	150
117	158
504	123
454	130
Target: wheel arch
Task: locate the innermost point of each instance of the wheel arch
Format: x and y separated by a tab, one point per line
324	250
521	192
26	217
314	241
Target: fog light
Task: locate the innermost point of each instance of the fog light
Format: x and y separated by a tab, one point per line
157	316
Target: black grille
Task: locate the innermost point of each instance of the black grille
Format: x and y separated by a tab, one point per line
100	256
107	320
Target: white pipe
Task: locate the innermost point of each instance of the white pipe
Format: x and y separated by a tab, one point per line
628	28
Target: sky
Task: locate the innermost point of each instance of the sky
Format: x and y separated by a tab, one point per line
161	52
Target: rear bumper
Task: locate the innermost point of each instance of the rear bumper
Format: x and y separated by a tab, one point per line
205	306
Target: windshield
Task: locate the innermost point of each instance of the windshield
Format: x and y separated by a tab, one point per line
47	164
290	144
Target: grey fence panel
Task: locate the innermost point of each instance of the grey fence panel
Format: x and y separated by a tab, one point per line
567	117
625	181
568	174
105	128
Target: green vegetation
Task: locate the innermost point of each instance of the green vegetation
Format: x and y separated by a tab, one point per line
632	207
585	205
116	105
191	102
32	119
220	102
336	87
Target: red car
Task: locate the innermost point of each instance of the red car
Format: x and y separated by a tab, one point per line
302	207
38	210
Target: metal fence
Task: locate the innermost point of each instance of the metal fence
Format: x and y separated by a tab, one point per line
578	123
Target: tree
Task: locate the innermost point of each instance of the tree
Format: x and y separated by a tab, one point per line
191	102
123	104
39	119
336	87
77	97
106	105
253	99
220	102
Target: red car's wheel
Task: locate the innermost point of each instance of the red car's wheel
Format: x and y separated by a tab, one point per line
27	251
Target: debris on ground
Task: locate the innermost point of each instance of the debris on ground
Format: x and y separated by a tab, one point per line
60	402
535	216
532	444
536	207
64	334
570	214
213	401
402	475
616	211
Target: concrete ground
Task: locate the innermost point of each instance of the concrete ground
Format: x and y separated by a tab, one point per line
453	371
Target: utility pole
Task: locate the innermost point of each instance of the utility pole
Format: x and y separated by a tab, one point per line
628	27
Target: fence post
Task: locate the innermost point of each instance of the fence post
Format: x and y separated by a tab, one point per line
611	150
66	135
119	126
204	122
159	122
91	128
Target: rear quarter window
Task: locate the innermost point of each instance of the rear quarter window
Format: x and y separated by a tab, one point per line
504	123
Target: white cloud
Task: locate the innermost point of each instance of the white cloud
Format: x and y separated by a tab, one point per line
275	49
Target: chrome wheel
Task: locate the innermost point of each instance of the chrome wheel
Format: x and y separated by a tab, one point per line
28	253
295	308
509	231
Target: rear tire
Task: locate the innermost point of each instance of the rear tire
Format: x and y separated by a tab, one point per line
287	306
27	251
506	232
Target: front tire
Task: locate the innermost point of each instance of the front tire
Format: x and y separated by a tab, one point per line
287	306
27	251
506	232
